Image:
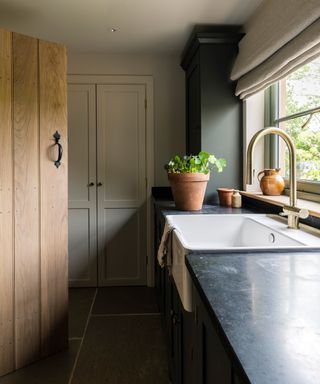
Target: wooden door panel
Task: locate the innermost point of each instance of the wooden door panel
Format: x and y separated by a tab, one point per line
33	201
6	206
82	196
121	171
27	199
54	199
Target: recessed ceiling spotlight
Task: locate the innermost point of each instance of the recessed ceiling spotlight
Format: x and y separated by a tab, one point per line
113	29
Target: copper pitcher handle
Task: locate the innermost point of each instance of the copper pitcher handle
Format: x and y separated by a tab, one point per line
260	173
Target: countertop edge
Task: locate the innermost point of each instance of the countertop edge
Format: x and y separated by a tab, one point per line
220	330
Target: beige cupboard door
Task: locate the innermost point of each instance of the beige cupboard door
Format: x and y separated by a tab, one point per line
121	176
82	185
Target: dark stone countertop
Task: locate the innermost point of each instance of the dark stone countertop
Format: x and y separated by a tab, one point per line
267	306
167	207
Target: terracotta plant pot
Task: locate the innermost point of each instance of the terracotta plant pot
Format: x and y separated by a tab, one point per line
188	190
225	196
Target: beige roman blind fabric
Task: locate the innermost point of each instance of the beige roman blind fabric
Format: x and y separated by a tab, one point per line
280	36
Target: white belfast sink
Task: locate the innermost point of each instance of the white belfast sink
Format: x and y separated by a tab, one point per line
230	233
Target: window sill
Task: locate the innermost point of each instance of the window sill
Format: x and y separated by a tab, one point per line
313	207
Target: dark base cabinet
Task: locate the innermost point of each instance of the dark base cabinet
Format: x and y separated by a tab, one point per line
178	324
196	354
213	364
179	328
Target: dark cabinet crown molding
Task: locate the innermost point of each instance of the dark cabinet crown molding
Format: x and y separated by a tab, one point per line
213	34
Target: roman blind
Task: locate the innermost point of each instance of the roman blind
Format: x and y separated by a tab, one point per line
280	37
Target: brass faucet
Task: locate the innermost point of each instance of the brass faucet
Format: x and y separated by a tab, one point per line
290	210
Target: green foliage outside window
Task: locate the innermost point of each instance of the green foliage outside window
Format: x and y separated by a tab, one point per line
302	92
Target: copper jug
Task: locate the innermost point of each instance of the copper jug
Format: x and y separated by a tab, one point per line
272	182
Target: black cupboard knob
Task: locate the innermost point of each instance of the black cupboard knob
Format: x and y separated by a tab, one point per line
90	184
176	320
99	184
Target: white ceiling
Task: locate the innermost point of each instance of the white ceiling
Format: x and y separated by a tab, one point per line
145	26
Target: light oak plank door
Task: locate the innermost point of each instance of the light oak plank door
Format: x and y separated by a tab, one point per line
54	198
33	201
122	193
6	206
82	185
26	201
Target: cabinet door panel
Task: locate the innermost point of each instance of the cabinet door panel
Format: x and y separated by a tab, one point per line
82	196
216	365
79	246
121	248
237	380
177	324
122	190
212	364
193	107
188	347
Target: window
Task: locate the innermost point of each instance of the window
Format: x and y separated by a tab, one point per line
295	102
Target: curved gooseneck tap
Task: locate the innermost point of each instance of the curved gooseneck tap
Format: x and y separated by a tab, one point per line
292	159
291	211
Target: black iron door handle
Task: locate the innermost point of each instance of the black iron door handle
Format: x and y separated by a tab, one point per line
99	184
57	138
91	184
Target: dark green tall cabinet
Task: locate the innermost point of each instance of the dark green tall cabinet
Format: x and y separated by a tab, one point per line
213	112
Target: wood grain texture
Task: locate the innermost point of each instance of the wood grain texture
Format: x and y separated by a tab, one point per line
33	201
6	206
26	197
54	198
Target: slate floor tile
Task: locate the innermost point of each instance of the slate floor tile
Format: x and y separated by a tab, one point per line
55	369
123	350
80	301
125	300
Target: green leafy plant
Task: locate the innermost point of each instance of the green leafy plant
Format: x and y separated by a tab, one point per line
201	163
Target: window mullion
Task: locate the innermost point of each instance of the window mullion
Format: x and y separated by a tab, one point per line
271	142
299	92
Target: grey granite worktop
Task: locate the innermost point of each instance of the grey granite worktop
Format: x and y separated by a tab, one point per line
267	306
167	207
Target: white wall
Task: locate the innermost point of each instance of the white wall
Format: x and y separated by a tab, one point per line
253	122
169	96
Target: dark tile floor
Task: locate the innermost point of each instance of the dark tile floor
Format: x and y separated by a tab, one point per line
125	300
115	337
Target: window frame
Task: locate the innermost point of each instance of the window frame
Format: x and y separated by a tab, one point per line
308	190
